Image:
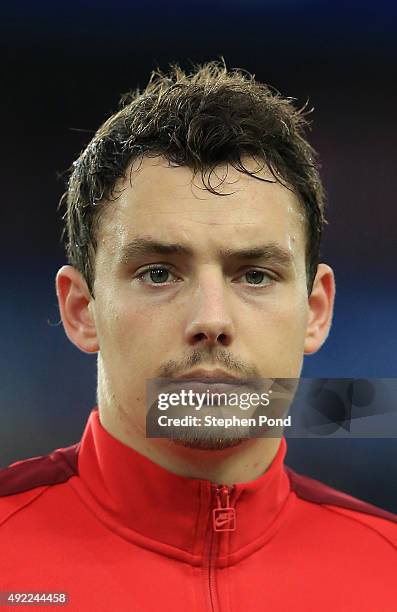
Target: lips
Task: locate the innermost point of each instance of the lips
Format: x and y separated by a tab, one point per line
211	385
214	376
202	386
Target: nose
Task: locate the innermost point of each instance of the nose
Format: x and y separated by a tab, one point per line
210	323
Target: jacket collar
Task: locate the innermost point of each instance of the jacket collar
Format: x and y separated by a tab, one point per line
172	514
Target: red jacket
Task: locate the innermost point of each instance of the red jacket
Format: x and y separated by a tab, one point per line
117	532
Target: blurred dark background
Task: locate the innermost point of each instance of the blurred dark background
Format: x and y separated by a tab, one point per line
64	66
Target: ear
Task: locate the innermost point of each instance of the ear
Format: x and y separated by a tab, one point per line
76	305
321	306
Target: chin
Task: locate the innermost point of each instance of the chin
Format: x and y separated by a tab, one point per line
216	444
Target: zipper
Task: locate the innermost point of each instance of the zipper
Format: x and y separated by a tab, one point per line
223	518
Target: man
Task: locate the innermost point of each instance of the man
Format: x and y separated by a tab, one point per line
193	221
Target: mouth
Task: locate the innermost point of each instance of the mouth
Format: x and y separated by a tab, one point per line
211	377
197	385
214	381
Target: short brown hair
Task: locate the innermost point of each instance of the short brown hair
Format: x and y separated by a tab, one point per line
201	119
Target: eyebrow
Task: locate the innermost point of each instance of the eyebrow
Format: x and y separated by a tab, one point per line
146	246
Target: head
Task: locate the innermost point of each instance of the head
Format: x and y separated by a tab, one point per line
207	178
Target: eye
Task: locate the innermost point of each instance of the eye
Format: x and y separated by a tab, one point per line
256	277
156	274
159	274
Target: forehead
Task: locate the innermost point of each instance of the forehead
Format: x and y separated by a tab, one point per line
171	204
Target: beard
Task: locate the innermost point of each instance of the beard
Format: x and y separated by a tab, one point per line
215	436
215	445
208	440
200	438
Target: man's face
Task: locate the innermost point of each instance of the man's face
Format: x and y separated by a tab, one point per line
208	309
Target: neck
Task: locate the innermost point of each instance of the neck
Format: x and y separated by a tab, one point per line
241	463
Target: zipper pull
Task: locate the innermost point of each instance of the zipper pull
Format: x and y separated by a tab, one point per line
224	516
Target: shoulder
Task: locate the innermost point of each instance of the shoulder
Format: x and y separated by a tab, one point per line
24	481
348	508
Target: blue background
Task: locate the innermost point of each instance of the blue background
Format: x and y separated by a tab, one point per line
64	68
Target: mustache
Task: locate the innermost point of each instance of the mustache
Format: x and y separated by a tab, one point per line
207	359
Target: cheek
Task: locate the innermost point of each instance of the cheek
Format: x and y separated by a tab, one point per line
292	332
278	334
292	322
281	314
131	334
